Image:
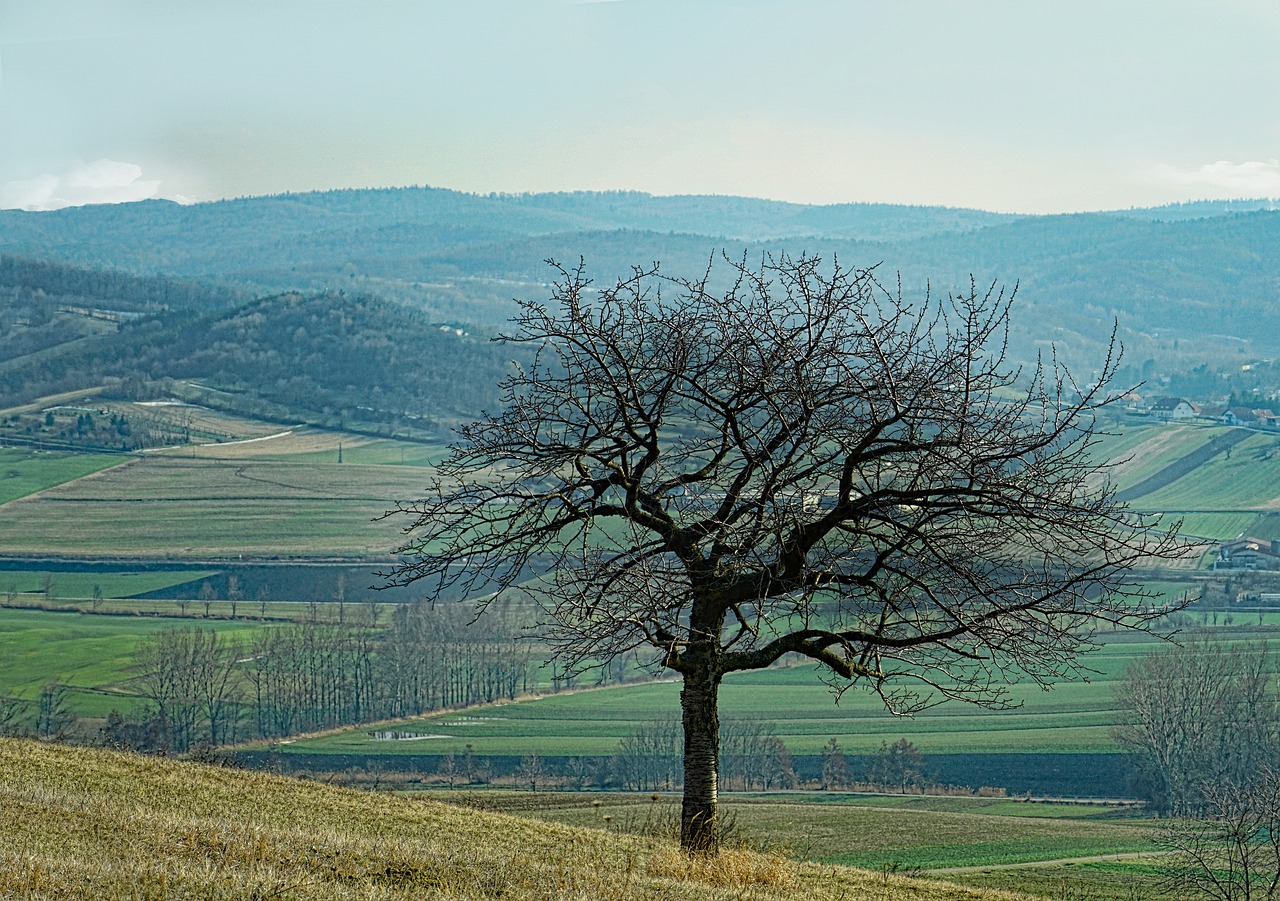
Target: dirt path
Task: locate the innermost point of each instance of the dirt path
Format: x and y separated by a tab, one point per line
1027	864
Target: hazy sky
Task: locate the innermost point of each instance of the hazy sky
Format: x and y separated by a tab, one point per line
1022	105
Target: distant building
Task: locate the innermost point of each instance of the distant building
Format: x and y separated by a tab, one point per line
1238	416
1249	554
1173	408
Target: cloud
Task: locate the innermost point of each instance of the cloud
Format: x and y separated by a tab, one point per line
102	181
1251	179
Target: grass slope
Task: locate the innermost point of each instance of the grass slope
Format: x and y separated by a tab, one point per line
84	823
24	472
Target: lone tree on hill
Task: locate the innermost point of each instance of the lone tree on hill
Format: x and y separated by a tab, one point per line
790	460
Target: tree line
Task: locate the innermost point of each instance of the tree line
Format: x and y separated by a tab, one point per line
205	688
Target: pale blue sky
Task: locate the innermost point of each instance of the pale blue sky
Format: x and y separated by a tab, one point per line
1019	105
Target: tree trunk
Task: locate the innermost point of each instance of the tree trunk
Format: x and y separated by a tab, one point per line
699	824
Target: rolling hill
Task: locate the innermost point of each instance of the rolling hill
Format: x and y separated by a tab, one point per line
113	825
1191	277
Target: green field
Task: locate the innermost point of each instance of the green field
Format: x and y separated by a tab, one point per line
1141	451
81	585
1072	718
92	654
915	834
24	472
1247	479
874	837
1212	526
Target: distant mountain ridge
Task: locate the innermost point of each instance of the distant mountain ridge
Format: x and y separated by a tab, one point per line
1198	278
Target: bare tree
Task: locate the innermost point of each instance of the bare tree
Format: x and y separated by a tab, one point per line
531	770
54	719
1201	715
648	757
447	769
234	593
10	710
1232	851
207	596
788	460
899	765
835	769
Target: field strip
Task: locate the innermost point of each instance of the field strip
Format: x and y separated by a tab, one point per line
1185	465
1028	864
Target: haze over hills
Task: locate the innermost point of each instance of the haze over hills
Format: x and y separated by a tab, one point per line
1189	285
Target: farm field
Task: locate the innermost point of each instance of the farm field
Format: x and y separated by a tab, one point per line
162	506
933	835
263	489
1140	451
1248	478
885	833
94	655
306	444
1214	526
200	424
1072	718
81	585
24	472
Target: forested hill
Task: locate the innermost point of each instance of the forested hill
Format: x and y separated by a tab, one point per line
1188	283
329	358
266	233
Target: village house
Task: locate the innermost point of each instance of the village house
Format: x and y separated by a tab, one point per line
1249	554
1239	416
1173	408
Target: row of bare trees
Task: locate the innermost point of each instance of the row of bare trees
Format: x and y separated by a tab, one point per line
1199	715
752	756
210	689
1203	732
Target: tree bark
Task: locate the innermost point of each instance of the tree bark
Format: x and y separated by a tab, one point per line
699	822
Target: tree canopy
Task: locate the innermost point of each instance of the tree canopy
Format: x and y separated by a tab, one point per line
788	459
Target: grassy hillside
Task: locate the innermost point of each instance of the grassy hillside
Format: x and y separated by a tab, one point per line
117	826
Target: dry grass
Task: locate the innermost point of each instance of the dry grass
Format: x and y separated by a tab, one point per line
83	823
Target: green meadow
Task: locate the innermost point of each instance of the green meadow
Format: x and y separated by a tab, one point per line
1247	478
81	585
24	472
1073	717
866	833
92	654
